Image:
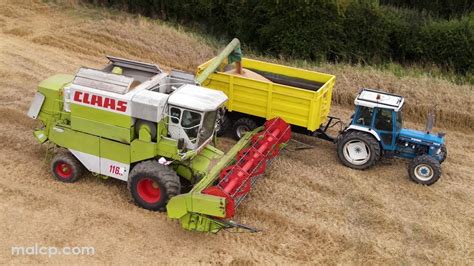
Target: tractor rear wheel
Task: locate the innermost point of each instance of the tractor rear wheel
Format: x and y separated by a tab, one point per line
444	153
152	185
66	168
358	150
242	126
424	169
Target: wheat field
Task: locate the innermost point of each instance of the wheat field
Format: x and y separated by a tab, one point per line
311	209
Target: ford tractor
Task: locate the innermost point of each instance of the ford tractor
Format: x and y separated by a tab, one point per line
154	130
376	130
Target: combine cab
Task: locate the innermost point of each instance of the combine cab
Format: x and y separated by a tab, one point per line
154	130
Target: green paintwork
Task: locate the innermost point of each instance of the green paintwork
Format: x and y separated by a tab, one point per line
100	116
103	130
141	150
40	135
102	123
75	140
51	88
231	52
144	133
225	161
115	151
200	223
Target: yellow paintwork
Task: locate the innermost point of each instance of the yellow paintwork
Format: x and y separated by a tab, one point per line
296	106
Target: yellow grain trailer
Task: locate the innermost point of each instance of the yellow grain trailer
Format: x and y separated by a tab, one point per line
259	91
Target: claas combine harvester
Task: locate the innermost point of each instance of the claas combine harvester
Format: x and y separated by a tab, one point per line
154	130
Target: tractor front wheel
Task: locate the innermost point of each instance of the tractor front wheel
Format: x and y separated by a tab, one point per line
152	185
358	150
66	167
424	169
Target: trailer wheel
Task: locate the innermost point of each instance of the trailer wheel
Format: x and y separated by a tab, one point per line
358	150
424	169
242	126
444	154
66	167
152	184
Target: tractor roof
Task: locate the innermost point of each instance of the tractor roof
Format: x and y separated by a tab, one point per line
197	98
380	99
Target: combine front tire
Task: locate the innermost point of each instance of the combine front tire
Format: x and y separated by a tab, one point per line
152	184
424	169
66	167
358	150
242	126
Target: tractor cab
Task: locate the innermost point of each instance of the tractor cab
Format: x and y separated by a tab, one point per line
379	113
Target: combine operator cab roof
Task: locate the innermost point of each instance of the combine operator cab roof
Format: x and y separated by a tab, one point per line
380	99
197	98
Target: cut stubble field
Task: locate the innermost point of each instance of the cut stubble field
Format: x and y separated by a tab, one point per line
310	208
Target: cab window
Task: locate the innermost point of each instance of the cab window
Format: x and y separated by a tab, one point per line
364	116
190	122
175	114
383	120
399	120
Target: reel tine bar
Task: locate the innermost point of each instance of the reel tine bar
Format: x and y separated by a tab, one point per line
236	180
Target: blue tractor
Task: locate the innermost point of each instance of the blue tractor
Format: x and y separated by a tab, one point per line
376	130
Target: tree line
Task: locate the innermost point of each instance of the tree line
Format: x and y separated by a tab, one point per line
439	32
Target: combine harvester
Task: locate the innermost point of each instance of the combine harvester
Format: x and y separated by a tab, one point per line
154	130
259	91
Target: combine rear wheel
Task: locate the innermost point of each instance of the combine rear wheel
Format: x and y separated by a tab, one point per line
424	169
358	150
66	167
152	184
242	126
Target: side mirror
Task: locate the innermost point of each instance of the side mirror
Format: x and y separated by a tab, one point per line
180	144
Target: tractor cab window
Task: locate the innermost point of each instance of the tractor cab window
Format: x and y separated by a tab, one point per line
384	125
190	122
175	114
383	121
364	116
399	120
